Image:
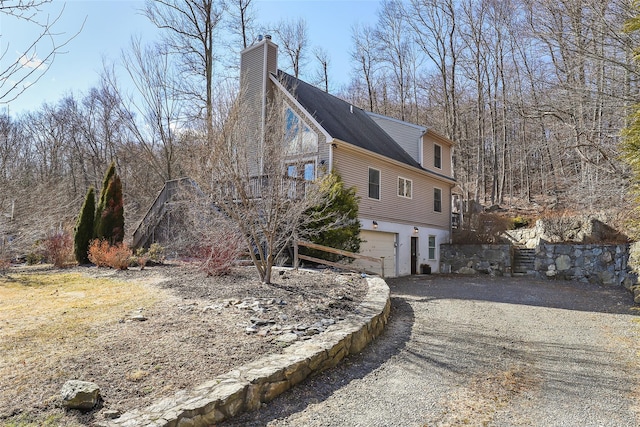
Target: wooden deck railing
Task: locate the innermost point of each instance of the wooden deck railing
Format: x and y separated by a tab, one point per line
297	257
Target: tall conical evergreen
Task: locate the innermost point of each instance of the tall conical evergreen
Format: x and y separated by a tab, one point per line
111	171
83	232
109	219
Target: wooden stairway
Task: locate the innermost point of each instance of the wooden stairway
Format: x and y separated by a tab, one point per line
144	233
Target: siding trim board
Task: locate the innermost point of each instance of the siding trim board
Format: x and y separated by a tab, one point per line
393	119
425	129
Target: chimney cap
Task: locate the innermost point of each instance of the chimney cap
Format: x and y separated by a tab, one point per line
267	36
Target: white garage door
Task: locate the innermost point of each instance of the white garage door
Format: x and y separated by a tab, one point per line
378	244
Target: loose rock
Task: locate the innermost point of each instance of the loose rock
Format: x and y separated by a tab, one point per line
81	395
111	414
287	338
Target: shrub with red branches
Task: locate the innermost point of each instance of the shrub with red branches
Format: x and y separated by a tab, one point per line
218	252
58	248
103	254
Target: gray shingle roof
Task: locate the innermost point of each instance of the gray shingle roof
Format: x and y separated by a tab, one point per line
344	121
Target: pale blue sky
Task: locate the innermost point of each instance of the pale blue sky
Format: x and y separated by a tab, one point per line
110	24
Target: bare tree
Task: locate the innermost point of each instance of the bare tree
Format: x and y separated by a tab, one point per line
155	112
322	71
365	58
191	27
268	208
241	20
395	49
294	41
435	28
35	54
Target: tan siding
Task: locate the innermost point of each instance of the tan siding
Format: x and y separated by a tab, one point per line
354	167
252	73
272	58
428	163
252	79
255	67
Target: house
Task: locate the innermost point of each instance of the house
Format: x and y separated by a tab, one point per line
402	171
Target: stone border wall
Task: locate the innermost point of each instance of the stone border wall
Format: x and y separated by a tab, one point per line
606	265
602	264
247	387
472	259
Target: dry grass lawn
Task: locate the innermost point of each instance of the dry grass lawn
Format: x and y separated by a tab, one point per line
49	316
57	325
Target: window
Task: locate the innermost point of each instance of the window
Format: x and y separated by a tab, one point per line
374	184
432	247
437	156
437	200
300	138
296	187
309	172
308	168
404	187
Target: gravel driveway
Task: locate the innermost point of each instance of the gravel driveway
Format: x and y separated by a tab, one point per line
482	351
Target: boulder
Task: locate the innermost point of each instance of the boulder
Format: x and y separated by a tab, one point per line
563	262
467	270
83	395
607	278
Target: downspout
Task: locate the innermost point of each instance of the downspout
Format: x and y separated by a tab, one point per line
451	186
331	145
421	146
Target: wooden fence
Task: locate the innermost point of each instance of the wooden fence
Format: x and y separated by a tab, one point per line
297	257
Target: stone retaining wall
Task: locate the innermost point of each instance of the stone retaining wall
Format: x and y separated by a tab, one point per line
247	387
602	264
472	259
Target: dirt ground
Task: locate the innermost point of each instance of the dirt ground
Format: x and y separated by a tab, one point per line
196	329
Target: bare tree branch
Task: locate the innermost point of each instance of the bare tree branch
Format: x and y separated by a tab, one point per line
31	63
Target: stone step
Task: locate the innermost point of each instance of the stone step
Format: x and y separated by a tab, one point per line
523	261
530	263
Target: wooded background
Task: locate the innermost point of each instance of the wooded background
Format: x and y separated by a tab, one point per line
534	93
